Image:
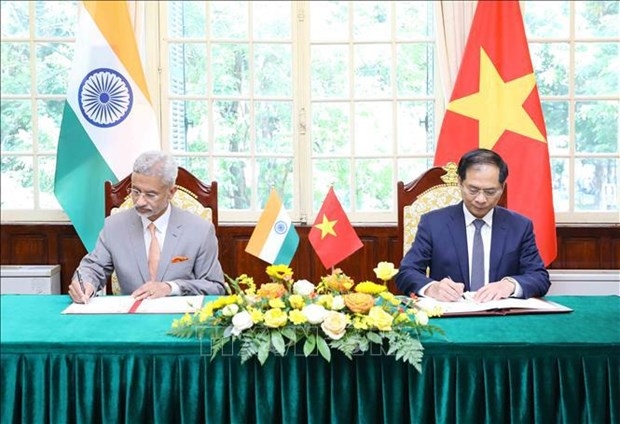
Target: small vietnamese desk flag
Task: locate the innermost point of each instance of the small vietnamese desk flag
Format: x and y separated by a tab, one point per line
332	236
108	118
495	105
274	238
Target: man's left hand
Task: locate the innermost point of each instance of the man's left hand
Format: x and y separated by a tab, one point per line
495	291
152	290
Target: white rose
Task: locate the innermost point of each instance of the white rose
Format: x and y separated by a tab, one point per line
334	325
421	318
241	321
315	314
337	303
230	310
303	287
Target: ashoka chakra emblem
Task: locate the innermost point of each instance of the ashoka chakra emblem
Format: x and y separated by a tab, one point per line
280	227
105	97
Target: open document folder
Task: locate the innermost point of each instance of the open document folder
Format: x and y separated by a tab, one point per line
468	307
129	305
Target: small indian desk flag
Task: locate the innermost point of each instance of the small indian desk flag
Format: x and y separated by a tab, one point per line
332	236
108	119
274	238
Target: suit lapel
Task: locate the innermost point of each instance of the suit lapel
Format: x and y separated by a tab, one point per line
173	235
459	239
499	235
138	248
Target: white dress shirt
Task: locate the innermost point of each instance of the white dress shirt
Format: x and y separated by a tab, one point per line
161	226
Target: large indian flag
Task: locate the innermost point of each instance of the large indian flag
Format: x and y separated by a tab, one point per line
108	119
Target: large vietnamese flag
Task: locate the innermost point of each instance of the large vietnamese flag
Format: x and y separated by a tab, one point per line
495	105
108	119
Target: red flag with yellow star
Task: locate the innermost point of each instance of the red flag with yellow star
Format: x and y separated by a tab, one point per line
332	236
495	105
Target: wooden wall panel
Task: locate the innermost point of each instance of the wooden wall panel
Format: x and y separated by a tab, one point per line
614	251
580	247
31	245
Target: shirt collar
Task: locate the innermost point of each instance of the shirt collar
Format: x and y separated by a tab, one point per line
161	223
469	218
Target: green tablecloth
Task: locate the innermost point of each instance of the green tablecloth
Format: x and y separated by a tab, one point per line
125	368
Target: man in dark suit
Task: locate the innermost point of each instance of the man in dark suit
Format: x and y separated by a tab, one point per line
510	263
155	248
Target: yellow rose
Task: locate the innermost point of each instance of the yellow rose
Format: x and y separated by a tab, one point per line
272	290
380	319
275	318
277	303
385	271
296	301
334	324
297	317
359	302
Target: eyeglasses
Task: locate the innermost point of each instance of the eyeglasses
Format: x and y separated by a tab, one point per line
489	193
149	195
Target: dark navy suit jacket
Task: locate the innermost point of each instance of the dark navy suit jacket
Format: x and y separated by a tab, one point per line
441	245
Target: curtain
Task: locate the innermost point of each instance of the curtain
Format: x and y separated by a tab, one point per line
453	21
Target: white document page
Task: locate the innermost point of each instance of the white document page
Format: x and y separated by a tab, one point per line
469	305
170	305
124	304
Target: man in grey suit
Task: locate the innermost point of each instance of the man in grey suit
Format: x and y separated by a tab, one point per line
510	263
155	248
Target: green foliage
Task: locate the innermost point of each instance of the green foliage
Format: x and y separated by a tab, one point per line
331	316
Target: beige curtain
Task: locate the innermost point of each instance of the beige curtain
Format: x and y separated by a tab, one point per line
137	14
453	19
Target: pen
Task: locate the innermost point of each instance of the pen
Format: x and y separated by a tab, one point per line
462	295
79	276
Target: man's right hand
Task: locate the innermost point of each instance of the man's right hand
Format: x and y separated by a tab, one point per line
445	290
76	293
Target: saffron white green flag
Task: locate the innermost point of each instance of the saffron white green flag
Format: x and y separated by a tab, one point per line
274	239
108	118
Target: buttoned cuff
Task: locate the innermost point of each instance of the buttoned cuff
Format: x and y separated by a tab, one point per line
518	291
175	290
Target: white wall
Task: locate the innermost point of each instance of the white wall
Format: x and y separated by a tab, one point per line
584	282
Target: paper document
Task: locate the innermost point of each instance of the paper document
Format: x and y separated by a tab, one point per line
129	305
468	305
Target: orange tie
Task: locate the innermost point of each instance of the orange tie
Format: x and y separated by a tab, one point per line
153	252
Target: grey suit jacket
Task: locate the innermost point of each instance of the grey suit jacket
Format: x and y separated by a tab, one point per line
189	238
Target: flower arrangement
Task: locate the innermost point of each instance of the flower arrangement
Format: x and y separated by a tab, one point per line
336	314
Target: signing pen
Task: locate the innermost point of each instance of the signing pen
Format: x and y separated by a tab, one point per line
463	295
79	276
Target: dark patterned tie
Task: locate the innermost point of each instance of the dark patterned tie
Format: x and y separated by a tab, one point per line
477	258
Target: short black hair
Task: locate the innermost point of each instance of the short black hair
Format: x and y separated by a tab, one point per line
482	156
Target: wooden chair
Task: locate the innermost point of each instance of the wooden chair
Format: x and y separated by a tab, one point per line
433	189
192	194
